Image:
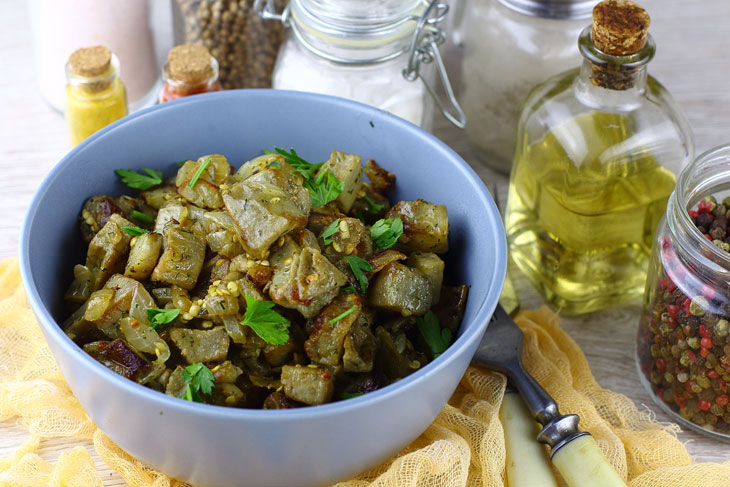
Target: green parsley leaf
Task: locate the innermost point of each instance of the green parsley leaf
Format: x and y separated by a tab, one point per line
358	265
306	169
198	378
374	207
324	188
342	315
266	323
134	231
350	395
348	289
199	172
135	180
158	317
181	163
437	339
331	229
386	232
142	217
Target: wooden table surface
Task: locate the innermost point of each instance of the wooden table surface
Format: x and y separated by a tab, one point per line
692	62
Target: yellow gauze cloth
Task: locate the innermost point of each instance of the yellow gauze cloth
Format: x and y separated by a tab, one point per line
463	447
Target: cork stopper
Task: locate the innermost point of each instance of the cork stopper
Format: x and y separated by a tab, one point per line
90	62
619	27
189	63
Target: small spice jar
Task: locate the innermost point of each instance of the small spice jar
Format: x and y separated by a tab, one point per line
244	44
95	96
683	351
189	70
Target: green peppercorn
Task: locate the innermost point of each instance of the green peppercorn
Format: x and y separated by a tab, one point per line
693	342
682	377
698	306
722	328
717	410
704	382
669	377
684	359
696	388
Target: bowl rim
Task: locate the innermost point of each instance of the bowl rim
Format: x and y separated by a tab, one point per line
483	313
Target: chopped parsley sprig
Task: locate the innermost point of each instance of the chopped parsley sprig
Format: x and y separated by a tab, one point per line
359	266
331	229
203	166
269	325
135	180
159	317
198	378
134	231
142	217
342	315
386	232
323	186
437	339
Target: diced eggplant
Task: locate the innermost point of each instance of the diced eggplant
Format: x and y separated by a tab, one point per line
385	257
431	266
450	308
258	164
204	192
308	384
360	345
395	363
182	260
381	179
159	196
226	372
108	250
176	383
265	206
425	226
326	340
201	345
401	289
348	170
278	400
352	237
306	283
221	234
82	285
119	357
219	302
95	213
143	256
278	355
370	205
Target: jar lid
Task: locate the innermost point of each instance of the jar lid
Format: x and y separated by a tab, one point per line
90	62
553	9
189	63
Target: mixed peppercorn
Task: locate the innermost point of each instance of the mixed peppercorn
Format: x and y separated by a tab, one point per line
684	340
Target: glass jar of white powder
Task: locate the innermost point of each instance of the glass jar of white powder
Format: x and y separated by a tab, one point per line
383	53
511	46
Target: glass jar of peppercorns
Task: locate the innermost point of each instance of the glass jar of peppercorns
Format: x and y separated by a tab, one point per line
683	350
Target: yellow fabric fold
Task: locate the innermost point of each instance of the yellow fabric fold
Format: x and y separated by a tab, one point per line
463	447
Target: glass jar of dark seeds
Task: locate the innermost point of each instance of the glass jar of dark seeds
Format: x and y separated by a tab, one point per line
244	44
683	350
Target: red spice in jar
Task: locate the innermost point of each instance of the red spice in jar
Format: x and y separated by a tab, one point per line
190	70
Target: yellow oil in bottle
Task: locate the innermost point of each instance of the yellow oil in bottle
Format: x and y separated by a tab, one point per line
583	205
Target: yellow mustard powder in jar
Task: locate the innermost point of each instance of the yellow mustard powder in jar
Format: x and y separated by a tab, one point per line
95	96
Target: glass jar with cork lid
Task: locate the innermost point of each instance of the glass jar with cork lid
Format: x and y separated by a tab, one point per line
95	96
189	70
244	44
598	151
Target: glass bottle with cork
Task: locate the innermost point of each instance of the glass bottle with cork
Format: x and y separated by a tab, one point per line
190	70
598	150
95	96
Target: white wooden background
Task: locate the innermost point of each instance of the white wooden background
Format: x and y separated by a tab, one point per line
692	61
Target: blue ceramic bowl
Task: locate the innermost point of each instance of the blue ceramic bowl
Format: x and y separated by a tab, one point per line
214	446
